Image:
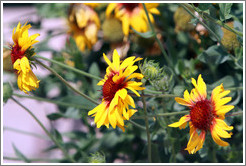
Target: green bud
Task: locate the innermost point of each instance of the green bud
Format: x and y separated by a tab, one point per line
150	70
165	82
97	158
7	92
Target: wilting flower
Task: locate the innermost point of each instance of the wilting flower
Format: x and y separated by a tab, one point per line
205	115
114	108
133	14
21	52
83	24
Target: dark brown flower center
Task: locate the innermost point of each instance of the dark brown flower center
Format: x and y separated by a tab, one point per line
110	88
130	6
16	53
202	114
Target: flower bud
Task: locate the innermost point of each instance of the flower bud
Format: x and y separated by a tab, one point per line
112	30
7	92
97	158
150	70
166	81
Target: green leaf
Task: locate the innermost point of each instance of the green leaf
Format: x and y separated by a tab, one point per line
72	113
228	81
20	155
204	6
214	55
225	9
57	136
79	101
146	35
54	116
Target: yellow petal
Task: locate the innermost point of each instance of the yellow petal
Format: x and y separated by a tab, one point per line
110	8
182	120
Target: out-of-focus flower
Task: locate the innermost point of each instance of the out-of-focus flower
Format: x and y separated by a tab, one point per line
83	24
205	115
229	39
112	30
133	14
114	108
183	23
22	50
182	20
7	63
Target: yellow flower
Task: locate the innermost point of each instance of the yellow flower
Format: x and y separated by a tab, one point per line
22	50
205	115
133	14
83	24
114	108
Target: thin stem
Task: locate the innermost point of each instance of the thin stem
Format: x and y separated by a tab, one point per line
147	128
157	39
7	47
45	130
25	132
137	125
52	101
69	67
32	160
235	114
218	22
185	6
161	114
66	83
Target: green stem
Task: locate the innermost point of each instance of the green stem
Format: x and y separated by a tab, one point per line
185	6
45	130
69	67
66	83
32	160
25	132
218	22
7	47
235	114
51	101
137	125
147	128
157	39
161	114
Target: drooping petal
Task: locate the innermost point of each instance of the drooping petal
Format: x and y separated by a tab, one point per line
183	120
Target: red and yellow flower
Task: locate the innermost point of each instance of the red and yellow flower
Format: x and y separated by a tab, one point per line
206	115
114	108
83	24
133	14
21	51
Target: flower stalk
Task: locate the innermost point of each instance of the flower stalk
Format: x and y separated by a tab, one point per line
158	41
66	83
45	130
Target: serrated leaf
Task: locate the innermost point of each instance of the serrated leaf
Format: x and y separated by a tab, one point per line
214	55
146	35
225	9
20	154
